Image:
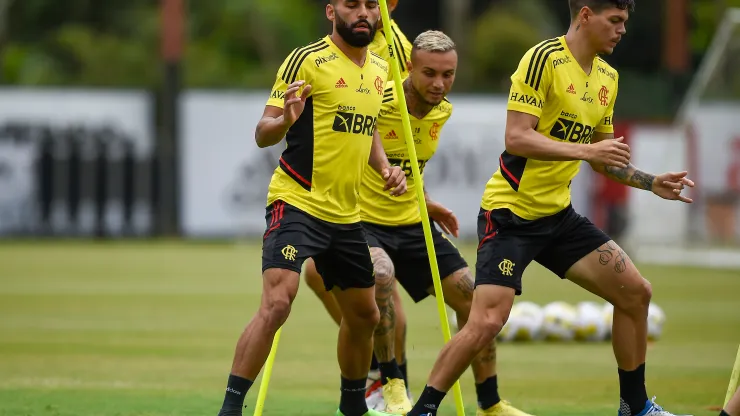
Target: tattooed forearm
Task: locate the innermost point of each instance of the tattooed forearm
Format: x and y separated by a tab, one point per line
630	176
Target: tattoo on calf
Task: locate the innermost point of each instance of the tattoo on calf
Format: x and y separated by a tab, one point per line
384	273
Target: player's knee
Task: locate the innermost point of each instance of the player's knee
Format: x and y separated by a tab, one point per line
637	300
485	329
276	310
366	316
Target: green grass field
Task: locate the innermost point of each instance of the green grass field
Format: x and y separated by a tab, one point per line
120	329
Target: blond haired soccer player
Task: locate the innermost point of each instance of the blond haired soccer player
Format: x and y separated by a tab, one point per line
325	103
374	393
560	112
393	224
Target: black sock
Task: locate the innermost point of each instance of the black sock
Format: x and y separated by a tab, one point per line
723	413
487	392
236	390
428	402
389	370
374	363
352	400
632	390
404	372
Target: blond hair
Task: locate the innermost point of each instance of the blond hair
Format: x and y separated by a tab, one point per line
433	41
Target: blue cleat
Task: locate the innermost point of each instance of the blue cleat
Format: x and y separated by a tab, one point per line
651	409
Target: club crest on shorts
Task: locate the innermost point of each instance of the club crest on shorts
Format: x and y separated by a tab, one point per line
289	252
506	267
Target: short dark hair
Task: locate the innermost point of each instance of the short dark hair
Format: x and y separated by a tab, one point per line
599	5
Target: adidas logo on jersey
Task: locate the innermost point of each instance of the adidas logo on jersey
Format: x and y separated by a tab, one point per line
391	135
341	83
571	89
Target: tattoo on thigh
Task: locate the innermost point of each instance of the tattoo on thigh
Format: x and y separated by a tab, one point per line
621	262
606	253
464	283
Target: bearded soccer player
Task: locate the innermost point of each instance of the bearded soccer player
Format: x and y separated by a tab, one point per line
393	224
325	103
560	112
374	396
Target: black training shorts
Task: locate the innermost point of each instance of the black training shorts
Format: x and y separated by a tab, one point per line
407	250
340	251
508	243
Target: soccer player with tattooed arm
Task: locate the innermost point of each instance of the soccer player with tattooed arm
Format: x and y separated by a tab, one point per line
395	232
560	112
325	103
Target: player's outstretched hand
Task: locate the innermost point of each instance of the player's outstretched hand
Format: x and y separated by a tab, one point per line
444	217
294	104
609	153
395	180
669	186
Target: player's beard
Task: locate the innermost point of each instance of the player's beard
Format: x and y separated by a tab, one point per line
355	39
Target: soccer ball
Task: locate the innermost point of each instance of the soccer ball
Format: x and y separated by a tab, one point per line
559	322
590	325
656	319
452	319
524	323
608	317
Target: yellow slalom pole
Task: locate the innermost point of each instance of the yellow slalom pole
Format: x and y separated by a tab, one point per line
419	185
266	375
734	377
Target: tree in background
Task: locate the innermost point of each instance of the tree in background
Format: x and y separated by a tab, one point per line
501	36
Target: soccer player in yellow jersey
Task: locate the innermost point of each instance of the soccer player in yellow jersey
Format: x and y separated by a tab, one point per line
402	49
325	102
560	112
401	45
394	229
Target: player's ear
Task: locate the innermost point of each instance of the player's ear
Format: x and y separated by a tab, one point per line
409	65
330	11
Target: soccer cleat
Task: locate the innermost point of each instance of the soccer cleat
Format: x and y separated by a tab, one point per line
396	399
370	412
651	409
374	396
502	408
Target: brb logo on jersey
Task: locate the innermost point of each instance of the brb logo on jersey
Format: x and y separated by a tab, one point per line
572	131
347	121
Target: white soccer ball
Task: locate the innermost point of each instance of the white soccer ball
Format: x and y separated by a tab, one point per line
656	320
524	323
452	319
559	322
590	325
608	318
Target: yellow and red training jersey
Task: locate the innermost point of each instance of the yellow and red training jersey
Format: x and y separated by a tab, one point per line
401	48
571	106
328	147
376	205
